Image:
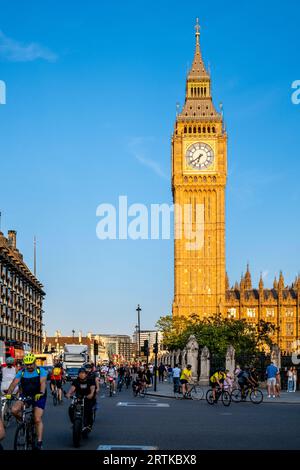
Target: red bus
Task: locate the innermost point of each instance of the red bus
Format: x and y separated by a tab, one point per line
14	349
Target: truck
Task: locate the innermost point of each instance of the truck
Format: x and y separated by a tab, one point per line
74	356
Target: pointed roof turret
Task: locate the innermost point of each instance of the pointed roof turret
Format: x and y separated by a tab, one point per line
198	69
281	281
248	280
198	100
227	286
275	283
261	282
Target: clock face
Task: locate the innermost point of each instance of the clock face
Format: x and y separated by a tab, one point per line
199	156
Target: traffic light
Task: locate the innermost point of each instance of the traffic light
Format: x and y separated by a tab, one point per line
96	349
155	348
145	348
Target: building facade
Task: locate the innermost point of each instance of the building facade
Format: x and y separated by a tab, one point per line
199	174
21	297
150	336
116	347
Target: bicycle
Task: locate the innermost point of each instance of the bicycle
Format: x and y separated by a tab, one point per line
255	395
121	382
77	417
111	386
139	389
6	410
219	393
195	392
25	436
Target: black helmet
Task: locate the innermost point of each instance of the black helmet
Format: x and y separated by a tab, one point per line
82	369
88	366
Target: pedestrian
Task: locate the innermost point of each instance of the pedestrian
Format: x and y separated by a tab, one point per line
290	380
271	372
278	384
228	382
176	378
170	374
294	379
151	368
161	372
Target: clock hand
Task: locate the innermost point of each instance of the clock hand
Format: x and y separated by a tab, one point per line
197	158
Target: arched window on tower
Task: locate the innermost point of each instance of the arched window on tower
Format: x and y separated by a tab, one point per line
203	130
194	130
213	129
199	130
202	91
205	91
192	91
190	130
208	129
185	129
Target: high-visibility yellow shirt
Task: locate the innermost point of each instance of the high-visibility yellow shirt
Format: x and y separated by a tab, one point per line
186	374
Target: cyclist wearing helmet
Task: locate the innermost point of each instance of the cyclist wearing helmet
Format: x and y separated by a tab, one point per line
8	374
217	380
32	382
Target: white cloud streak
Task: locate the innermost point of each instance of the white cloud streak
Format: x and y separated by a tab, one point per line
15	51
135	145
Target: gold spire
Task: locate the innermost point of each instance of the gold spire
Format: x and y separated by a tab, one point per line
198	70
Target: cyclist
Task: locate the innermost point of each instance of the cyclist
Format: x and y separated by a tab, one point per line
121	376
111	376
245	380
185	379
217	380
2	433
83	387
56	379
32	383
140	382
8	375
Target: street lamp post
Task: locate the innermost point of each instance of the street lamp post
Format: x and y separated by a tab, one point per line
139	329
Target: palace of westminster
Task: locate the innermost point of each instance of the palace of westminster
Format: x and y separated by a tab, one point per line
199	174
201	286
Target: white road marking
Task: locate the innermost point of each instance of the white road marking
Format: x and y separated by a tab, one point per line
144	404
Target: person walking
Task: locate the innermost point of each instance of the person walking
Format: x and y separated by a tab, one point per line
278	384
290	380
176	378
271	379
294	379
161	372
170	374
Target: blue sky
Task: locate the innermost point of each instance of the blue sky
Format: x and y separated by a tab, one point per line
91	100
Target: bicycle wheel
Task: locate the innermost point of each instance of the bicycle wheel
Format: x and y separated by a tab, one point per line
256	396
197	393
209	397
77	428
236	395
226	398
6	414
55	399
20	440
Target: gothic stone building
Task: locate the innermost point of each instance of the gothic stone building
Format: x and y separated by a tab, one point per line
199	177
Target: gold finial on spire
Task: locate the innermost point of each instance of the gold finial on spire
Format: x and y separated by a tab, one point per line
197	29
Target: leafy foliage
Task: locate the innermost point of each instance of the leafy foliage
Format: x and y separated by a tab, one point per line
217	333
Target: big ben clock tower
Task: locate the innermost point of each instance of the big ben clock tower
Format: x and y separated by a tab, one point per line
199	171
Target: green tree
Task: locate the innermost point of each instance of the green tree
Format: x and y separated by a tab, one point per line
217	333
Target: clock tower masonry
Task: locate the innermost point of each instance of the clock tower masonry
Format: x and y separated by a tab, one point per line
199	172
